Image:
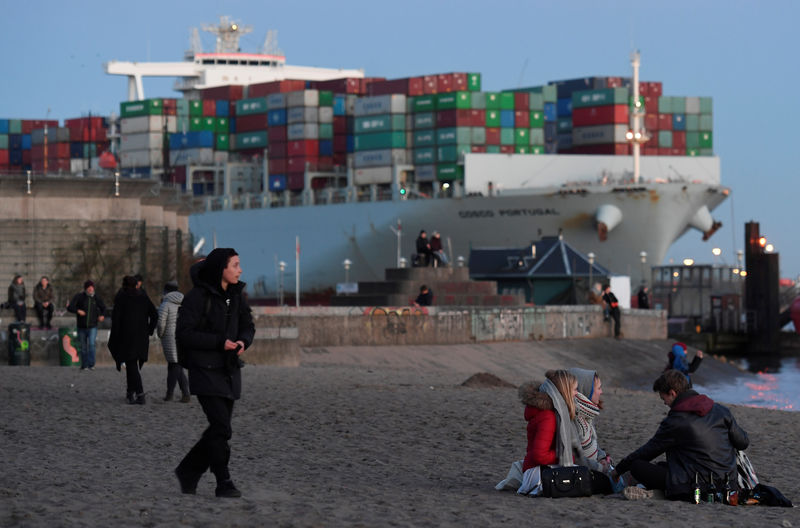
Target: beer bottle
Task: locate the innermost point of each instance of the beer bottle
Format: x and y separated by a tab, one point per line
696	489
712	489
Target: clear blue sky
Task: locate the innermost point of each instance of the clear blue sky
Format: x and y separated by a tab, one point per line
741	53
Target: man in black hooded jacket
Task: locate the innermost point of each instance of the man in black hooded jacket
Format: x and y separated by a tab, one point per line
700	438
214	326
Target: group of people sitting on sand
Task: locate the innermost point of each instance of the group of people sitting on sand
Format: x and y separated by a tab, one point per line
700	438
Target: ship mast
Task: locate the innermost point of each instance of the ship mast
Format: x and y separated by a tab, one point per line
636	135
228	34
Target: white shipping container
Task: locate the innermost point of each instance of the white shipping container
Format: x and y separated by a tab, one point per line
152	123
372	176
302	131
380	104
141	158
378	158
146	141
325	114
350	104
425	173
692	105
303	114
193	156
302	98
221	157
78	165
276	100
599	134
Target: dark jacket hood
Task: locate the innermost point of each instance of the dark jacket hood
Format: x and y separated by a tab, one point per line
213	266
529	395
691	401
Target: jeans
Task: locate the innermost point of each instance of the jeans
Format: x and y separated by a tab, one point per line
86	338
20	312
175	375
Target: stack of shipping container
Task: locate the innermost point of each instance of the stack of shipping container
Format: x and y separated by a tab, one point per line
87	141
144	126
428	121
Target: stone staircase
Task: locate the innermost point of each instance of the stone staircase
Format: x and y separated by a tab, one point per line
450	287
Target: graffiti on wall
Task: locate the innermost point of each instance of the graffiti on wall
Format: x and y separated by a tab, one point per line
397	320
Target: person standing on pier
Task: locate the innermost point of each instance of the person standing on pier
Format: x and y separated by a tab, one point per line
612	305
214	326
90	310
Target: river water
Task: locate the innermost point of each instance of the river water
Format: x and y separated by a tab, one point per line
776	385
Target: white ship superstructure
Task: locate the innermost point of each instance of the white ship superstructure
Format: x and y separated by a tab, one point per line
225	65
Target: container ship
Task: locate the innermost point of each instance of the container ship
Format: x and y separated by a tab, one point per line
353	167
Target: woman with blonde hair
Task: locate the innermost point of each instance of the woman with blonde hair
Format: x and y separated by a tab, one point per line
549	410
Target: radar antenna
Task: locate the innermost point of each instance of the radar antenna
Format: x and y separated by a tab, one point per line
228	34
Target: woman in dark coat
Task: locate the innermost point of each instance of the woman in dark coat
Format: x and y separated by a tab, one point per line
132	323
214	326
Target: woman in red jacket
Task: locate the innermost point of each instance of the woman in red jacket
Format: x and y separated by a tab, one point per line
549	409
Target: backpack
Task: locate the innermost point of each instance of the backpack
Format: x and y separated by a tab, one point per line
183	355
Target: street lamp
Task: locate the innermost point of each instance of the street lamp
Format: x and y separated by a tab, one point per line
643	258
347	263
716	252
282	267
688	262
590	257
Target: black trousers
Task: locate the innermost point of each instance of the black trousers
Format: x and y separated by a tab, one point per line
44	314
212	450
133	376
615	316
654	476
175	375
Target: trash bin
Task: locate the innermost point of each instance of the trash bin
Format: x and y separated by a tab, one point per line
19	344
69	347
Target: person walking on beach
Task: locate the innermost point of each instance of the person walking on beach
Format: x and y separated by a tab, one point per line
612	304
214	326
90	310
16	298
132	323
699	437
676	359
167	320
43	302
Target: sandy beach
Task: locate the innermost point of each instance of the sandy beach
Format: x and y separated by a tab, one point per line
384	436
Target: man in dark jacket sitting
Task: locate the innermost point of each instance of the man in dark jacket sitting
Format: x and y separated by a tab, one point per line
700	438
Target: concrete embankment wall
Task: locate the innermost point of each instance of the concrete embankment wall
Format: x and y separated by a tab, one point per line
282	332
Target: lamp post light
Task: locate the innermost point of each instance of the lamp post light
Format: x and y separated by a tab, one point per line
282	267
590	257
688	262
347	263
716	252
643	259
460	261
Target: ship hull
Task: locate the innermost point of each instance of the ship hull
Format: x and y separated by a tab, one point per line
654	215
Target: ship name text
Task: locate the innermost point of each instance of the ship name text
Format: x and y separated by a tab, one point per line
491	213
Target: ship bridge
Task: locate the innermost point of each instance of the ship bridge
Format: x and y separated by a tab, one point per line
226	65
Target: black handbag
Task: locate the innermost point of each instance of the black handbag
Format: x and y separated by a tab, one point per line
566	481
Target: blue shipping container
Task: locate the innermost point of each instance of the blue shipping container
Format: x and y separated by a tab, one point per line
3	126
223	108
564	107
351	143
678	122
506	118
277	182
232	125
76	149
15	157
550	112
326	147
192	139
339	106
15	142
276	117
26	141
550	131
